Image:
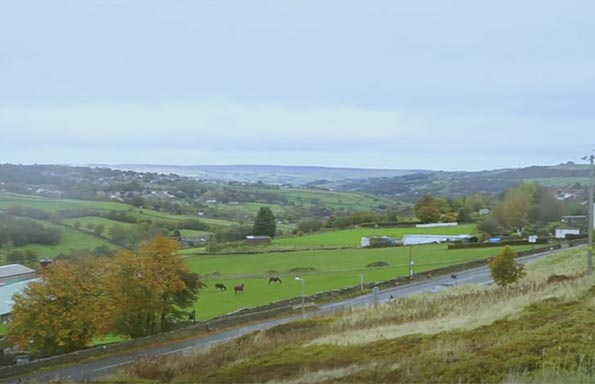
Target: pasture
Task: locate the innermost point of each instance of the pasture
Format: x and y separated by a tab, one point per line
322	270
335	200
352	237
72	240
55	204
84	238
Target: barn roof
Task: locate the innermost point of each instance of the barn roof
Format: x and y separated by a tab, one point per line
8	291
14	270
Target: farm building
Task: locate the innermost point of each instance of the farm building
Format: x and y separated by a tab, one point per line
562	232
13	273
251	239
577	220
197	241
435	225
430	239
379	241
6	293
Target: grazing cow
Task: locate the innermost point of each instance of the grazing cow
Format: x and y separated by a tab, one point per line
274	279
221	286
239	288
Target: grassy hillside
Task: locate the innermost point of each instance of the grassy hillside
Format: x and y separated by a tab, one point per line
538	331
350	201
83	238
55	205
72	240
455	184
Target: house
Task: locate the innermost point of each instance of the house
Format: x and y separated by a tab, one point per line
13	273
564	196
251	239
578	220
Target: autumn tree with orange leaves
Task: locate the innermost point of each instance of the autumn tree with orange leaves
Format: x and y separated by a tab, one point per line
153	287
64	310
134	293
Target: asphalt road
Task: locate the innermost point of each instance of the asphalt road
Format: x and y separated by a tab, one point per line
109	365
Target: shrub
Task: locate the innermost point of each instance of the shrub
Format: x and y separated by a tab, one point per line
505	270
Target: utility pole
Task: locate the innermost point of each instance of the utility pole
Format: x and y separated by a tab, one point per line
301	280
411	263
361	281
590	215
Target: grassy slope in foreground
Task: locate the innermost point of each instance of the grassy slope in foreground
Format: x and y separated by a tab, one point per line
541	330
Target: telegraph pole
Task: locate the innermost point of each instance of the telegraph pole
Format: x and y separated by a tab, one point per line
590	221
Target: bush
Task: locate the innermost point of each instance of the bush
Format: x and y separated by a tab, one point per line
20	231
505	270
120	216
194	224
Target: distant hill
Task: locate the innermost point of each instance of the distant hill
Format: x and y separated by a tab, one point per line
410	187
267	174
399	184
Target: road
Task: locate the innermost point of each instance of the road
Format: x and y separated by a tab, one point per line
108	365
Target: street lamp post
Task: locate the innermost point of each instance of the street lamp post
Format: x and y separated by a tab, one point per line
303	291
411	264
361	281
590	215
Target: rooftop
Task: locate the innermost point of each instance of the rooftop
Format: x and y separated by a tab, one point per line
14	270
8	291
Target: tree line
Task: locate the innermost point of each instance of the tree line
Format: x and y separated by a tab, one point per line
21	231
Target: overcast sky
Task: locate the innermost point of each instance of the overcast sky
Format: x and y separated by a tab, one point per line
386	84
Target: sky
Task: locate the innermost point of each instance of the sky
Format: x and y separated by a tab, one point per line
444	85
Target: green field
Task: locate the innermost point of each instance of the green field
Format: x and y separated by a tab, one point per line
335	200
352	237
72	240
249	208
83	238
54	205
95	220
333	269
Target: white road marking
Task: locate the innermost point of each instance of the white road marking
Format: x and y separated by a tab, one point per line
113	366
177	350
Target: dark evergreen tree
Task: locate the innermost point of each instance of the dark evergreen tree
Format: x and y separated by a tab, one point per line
265	223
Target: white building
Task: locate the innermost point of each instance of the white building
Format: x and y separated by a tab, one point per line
562	232
430	239
6	297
